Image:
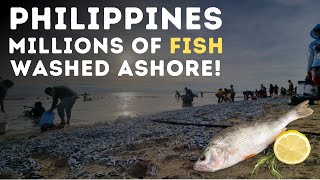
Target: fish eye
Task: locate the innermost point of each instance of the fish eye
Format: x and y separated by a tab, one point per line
202	158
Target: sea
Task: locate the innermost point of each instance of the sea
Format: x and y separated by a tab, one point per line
103	107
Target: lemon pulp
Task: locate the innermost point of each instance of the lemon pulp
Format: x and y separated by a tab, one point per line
292	147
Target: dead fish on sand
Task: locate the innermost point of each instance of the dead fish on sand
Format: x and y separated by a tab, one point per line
237	143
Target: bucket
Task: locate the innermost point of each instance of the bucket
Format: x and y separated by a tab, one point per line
3	127
47	118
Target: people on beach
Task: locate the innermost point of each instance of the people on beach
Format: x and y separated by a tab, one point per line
247	95
201	93
67	99
177	95
189	93
232	92
187	99
4	86
227	92
283	91
271	90
37	110
290	89
276	90
86	97
263	91
220	95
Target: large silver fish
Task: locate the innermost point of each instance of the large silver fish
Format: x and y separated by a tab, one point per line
237	143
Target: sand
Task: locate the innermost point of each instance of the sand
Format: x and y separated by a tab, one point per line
153	154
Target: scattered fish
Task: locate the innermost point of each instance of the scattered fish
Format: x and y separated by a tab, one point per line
85	145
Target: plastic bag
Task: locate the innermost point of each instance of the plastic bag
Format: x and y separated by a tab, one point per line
47	118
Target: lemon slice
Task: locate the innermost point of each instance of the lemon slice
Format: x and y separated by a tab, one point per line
291	147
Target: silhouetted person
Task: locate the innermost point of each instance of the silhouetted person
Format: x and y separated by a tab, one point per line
232	92
177	94
263	91
257	93
226	93
276	90
290	89
283	91
271	90
220	95
189	93
4	86
201	94
67	99
37	110
247	94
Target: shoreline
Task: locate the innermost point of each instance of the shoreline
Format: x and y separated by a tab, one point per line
138	147
102	108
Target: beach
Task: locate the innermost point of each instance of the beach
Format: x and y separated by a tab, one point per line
103	107
148	147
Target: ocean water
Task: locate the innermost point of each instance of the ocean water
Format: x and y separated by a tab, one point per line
104	107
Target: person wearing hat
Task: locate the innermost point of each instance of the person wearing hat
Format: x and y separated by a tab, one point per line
4	86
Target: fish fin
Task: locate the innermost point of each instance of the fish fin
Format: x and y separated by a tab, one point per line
249	156
283	130
302	110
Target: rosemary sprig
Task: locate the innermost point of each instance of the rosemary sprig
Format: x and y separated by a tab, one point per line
270	161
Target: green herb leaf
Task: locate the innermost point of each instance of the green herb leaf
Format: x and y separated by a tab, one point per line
270	161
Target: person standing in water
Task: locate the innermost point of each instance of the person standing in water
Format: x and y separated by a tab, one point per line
67	99
4	86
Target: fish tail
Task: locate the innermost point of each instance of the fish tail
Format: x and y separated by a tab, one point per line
302	110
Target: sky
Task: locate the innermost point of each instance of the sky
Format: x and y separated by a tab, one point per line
263	42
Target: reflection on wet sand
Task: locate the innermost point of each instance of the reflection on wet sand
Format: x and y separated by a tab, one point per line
102	108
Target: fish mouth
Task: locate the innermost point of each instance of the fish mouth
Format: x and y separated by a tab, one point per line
201	167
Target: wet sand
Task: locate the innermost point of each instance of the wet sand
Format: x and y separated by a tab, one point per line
140	148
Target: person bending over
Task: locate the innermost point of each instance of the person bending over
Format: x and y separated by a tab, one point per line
67	99
189	93
220	95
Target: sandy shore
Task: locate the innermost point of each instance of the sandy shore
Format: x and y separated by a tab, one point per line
141	148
